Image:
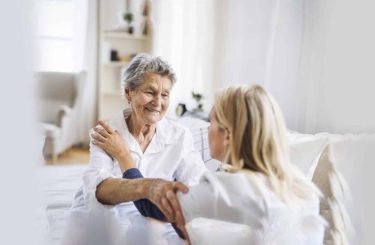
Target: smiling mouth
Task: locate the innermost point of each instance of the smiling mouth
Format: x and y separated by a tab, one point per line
152	110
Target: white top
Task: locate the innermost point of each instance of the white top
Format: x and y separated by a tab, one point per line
248	199
170	155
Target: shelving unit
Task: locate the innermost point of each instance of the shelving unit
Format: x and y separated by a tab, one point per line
115	64
114	37
122	34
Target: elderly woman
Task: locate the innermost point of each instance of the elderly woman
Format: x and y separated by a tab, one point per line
261	189
158	147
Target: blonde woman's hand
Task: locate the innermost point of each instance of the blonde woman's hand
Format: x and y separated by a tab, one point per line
163	194
112	143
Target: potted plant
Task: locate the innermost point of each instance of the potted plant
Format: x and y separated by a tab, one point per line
198	98
129	17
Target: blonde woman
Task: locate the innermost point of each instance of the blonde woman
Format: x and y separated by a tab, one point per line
260	188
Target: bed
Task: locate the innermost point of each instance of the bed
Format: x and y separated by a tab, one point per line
59	184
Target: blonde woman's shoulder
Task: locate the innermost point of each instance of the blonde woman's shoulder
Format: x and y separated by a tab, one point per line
238	184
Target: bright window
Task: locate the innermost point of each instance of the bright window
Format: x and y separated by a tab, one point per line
55	35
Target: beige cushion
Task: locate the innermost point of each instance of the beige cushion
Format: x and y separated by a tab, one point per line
321	177
322	181
338	177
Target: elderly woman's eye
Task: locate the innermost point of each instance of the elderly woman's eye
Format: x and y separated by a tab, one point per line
165	95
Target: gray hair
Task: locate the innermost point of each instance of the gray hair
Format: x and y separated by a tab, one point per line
142	64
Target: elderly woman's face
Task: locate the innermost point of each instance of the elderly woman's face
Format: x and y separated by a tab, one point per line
150	101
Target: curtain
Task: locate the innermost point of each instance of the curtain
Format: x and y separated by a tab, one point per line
242	40
87	99
260	42
183	34
283	56
313	56
213	44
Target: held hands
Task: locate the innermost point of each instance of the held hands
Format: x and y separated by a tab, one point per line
160	192
163	194
112	143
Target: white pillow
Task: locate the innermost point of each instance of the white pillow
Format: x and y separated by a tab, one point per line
354	157
305	151
193	123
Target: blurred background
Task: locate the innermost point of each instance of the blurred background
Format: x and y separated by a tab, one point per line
62	62
316	58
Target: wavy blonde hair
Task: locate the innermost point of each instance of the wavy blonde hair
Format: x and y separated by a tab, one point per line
257	139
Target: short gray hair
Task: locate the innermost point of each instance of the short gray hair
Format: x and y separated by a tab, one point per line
142	64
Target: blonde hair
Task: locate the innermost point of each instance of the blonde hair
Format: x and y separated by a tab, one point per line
257	140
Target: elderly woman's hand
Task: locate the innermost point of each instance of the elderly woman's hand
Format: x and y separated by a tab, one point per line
163	194
112	143
160	192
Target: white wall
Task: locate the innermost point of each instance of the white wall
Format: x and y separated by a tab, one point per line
347	90
315	57
259	42
242	32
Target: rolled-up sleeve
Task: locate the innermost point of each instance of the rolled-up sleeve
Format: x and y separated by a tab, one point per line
100	168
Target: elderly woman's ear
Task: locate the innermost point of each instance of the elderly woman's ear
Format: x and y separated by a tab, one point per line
127	94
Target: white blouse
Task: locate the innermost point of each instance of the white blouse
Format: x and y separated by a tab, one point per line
170	155
248	200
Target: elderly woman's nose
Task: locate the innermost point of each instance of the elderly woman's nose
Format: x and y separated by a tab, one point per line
157	100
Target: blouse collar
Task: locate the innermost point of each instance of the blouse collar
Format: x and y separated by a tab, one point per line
162	137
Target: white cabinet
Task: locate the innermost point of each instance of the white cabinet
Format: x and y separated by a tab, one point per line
115	39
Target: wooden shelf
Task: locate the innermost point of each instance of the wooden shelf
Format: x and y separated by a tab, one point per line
118	64
123	35
113	36
112	92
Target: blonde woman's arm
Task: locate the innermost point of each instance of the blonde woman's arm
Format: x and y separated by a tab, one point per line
223	196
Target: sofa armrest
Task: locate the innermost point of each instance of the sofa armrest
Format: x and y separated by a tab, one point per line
63	111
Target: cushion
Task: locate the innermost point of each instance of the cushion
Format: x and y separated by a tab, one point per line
352	156
341	176
305	151
321	179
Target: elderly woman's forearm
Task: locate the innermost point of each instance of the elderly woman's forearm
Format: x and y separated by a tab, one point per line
114	191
